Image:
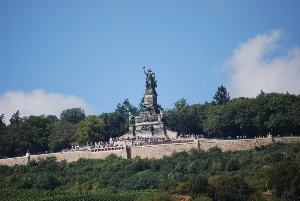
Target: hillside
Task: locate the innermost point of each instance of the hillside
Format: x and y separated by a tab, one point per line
265	172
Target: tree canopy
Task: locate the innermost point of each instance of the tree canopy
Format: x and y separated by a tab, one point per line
221	96
275	113
73	115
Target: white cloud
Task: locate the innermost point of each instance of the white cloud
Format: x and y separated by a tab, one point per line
254	66
38	102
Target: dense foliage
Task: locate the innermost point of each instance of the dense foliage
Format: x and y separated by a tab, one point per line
276	113
271	171
40	134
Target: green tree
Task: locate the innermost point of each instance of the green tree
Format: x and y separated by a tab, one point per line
294	114
25	181
46	181
73	115
221	96
36	130
198	114
198	186
91	129
162	196
28	133
2	121
116	124
215	122
284	180
61	135
180	104
2	136
236	118
12	136
280	121
177	118
168	186
15	118
277	113
203	198
141	105
244	114
229	188
141	181
126	108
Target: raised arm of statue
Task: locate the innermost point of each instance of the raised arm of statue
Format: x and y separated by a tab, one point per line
150	80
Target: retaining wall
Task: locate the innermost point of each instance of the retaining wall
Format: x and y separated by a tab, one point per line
156	151
68	156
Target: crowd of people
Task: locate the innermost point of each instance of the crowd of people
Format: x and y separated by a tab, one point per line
143	140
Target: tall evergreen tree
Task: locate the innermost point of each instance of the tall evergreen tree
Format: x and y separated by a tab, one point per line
222	96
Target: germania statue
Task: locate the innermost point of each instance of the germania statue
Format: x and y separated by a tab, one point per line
150	80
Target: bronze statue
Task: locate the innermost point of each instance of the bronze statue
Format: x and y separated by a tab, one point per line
150	80
131	119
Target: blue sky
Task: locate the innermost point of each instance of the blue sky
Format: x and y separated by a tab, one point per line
56	55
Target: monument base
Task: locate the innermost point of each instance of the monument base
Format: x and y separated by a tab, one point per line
148	123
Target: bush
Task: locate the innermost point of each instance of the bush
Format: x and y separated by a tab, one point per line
46	181
26	181
162	197
197	186
141	181
168	186
182	188
229	188
203	198
284	180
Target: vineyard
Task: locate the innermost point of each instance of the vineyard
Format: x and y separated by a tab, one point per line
42	195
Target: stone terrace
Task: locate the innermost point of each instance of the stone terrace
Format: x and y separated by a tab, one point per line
156	151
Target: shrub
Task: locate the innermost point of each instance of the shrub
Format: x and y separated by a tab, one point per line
203	198
197	186
229	188
141	181
47	181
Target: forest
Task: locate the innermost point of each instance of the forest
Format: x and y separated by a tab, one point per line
275	113
264	173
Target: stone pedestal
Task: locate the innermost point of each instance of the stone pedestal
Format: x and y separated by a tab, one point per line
148	123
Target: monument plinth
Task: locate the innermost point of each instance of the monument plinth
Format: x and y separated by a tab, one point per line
149	122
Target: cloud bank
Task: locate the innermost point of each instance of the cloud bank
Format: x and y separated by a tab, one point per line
261	64
38	102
